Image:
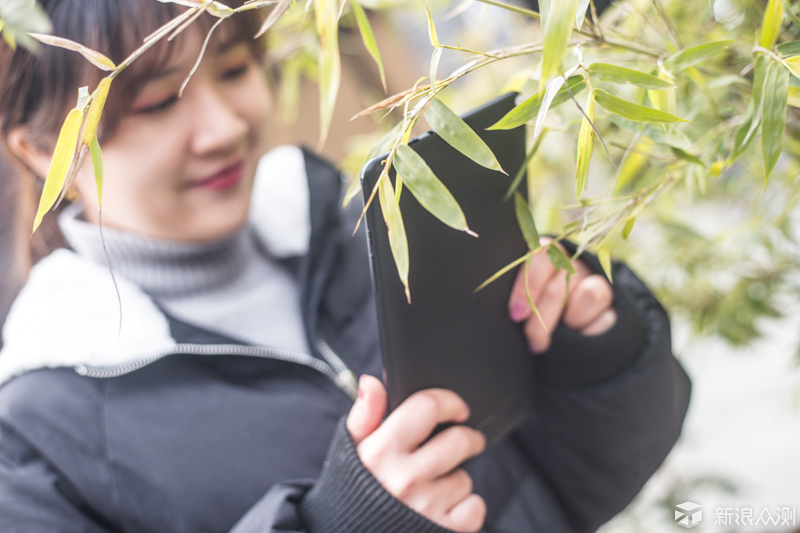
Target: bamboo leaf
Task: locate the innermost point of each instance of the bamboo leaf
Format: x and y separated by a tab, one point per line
62	159
330	68
604	256
773	112
555	85
427	189
558	259
368	37
95	58
794	65
746	132
505	270
585	145
689	57
621	75
686	156
580	13
386	142
528	296
95	111
435	57
771	25
529	109
460	136
398	241
631	111
557	32
794	96
525	221
788	9
788	49
626	230
431	28
97	164
279	9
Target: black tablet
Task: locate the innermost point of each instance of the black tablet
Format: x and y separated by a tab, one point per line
449	336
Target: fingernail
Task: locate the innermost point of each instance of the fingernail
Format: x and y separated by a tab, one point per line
360	387
535	348
517	311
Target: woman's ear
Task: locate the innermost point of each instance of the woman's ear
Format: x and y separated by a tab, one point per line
20	145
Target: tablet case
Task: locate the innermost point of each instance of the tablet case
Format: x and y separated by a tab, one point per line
449	336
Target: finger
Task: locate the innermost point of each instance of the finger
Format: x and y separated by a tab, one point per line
368	410
550	304
589	299
435	498
414	420
466	516
539	271
448	449
602	324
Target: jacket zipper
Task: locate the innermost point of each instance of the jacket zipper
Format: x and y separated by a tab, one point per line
333	367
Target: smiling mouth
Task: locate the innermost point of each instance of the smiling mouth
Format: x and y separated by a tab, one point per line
224	179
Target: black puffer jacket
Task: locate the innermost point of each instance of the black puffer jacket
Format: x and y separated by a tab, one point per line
193	432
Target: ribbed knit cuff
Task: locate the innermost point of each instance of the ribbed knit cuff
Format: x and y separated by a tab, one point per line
575	360
347	499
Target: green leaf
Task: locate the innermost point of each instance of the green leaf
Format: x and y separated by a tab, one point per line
558	259
368	37
788	9
435	57
686	156
604	256
622	75
525	221
398	241
330	67
97	164
62	159
788	49
773	112
460	136
747	129
557	31
631	111
580	13
528	296
585	145
794	65
503	271
95	58
771	25
427	189
529	109
626	230
689	57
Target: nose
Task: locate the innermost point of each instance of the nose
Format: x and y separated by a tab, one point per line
219	128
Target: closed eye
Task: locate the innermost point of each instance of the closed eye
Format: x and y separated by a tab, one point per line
234	73
159	106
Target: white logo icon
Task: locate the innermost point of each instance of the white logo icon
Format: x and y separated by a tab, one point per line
688	514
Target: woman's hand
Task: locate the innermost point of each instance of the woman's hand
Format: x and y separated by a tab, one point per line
588	308
422	476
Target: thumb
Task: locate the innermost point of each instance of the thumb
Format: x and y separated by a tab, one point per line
367	413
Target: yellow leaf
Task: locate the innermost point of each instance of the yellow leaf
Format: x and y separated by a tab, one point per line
585	144
794	96
794	65
95	111
330	68
97	163
431	28
771	25
604	257
62	159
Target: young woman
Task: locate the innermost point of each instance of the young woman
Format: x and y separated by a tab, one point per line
225	400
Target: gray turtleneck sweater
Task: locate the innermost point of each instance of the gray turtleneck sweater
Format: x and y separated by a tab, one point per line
231	286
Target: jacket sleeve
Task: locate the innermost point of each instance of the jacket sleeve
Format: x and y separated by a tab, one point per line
609	407
346	498
34	497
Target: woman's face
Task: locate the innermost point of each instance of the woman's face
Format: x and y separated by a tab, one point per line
182	168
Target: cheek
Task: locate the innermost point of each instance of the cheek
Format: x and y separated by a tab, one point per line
253	100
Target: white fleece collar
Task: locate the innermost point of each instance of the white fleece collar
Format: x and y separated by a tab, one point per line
68	313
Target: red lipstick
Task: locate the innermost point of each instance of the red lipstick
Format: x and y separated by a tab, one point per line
224	179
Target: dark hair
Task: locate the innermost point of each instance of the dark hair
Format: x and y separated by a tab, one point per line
38	90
